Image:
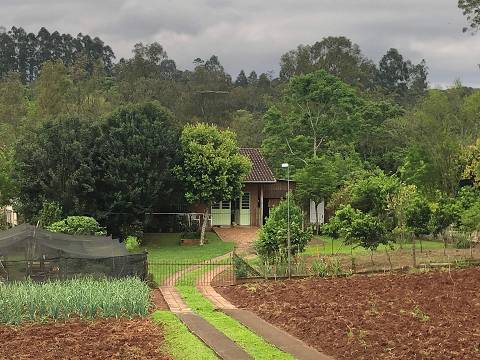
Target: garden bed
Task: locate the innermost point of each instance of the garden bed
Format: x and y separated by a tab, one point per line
80	339
434	315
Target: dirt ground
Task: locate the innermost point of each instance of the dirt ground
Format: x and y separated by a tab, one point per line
158	302
434	315
136	339
77	339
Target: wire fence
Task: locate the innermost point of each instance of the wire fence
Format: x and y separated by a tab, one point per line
63	268
192	273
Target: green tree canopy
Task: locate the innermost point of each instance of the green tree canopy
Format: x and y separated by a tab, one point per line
317	110
77	225
273	239
115	169
56	162
211	167
135	153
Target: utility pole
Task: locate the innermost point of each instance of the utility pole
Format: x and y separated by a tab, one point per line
286	165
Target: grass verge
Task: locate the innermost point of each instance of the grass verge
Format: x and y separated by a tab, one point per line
166	247
336	246
253	344
180	343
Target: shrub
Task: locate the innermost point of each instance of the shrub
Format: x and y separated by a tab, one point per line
77	225
470	220
132	244
51	212
327	267
273	235
241	267
463	243
339	225
418	215
368	231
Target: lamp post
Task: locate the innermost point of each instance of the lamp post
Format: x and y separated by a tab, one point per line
287	166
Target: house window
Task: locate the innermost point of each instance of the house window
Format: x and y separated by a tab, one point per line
246	201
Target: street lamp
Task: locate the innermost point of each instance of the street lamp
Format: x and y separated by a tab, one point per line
287	166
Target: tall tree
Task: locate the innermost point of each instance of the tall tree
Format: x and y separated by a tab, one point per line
7	184
241	79
135	153
401	79
317	111
211	168
52	90
316	182
471	9
336	55
55	162
13	107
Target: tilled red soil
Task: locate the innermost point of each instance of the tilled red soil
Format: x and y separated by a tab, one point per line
435	315
158	302
136	339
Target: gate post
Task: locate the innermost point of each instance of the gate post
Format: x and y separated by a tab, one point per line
233	267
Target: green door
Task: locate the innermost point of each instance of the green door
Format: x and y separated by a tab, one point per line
245	209
222	213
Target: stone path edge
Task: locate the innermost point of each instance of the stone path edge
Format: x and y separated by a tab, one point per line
273	335
218	342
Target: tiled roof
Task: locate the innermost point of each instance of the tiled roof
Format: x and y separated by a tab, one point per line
260	172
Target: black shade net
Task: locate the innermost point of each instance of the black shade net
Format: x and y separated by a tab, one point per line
30	252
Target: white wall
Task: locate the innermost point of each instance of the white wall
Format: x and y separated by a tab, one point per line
321	212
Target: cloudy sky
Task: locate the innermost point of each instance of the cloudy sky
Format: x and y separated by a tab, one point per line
252	34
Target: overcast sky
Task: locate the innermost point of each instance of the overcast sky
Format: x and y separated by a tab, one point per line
253	34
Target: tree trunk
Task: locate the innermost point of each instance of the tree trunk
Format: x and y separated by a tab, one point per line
414	254
471	245
204	225
371	257
444	244
421	245
316	218
389	259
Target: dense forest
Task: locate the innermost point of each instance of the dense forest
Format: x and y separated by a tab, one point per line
333	113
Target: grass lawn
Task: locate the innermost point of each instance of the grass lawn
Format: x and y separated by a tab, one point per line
180	343
253	344
340	248
166	247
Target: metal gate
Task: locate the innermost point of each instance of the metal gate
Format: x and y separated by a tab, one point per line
218	271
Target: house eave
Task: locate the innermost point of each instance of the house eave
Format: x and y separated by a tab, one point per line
260	182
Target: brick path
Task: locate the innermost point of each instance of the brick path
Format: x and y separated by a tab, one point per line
209	292
224	347
174	300
275	336
242	236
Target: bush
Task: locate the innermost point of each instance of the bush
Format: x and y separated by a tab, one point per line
418	214
367	231
51	212
132	244
339	225
241	268
78	225
273	235
463	243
